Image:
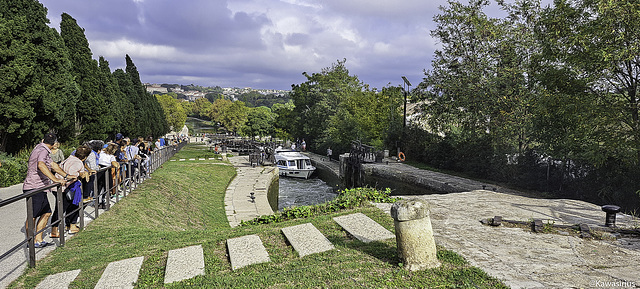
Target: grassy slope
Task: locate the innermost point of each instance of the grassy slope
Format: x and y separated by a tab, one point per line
182	205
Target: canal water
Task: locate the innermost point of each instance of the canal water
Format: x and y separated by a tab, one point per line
300	192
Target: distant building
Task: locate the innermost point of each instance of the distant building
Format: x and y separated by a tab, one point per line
151	88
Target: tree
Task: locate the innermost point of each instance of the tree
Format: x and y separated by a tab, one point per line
283	124
93	117
480	79
318	98
599	42
37	92
230	114
259	122
202	108
118	109
173	111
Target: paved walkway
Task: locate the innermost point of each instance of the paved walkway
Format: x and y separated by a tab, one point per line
239	205
523	259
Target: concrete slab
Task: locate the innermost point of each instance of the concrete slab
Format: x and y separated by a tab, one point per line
184	263
306	239
246	250
363	228
523	259
120	274
60	280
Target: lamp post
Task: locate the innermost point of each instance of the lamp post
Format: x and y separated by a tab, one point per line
408	84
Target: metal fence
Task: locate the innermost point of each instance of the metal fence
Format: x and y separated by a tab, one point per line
117	184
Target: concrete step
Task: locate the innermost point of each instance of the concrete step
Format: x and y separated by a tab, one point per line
184	263
306	239
60	280
246	250
363	228
121	274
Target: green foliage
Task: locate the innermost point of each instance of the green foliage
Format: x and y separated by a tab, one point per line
37	92
93	118
13	169
259	122
257	99
173	112
230	114
347	199
333	108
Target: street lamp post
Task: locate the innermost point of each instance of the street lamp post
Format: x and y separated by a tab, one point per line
408	84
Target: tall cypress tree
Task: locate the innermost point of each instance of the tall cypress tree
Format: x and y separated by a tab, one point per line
119	109
37	92
127	114
149	114
93	119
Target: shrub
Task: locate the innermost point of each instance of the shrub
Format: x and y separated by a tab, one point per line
349	198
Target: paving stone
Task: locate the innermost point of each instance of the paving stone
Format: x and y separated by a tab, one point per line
363	228
60	280
306	239
246	250
184	263
120	274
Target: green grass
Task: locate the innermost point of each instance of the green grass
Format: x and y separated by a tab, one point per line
182	205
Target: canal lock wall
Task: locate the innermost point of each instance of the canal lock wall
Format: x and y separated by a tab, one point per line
402	179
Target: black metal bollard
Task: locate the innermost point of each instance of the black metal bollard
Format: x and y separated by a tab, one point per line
611	211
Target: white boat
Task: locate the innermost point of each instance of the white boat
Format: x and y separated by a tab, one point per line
293	164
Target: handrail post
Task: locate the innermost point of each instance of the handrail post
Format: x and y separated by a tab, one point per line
81	205
31	226
61	215
96	195
109	185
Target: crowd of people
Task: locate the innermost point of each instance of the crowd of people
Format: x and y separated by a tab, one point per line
77	174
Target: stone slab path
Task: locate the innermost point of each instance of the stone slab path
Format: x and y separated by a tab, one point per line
60	280
238	203
184	263
523	259
121	274
246	250
363	228
306	239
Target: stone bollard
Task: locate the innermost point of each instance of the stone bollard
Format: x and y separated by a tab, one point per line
414	235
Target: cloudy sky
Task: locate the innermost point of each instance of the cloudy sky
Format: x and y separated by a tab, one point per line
258	43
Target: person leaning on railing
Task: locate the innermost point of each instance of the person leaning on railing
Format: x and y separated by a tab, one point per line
73	166
39	175
107	158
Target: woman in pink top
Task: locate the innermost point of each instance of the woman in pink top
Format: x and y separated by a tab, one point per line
73	166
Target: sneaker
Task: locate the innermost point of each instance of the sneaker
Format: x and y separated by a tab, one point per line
42	244
87	200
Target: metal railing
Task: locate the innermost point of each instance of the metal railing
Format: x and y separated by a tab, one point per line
127	177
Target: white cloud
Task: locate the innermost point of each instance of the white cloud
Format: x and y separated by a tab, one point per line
122	46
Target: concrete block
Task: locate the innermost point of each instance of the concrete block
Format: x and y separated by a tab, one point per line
184	264
306	239
120	274
363	228
245	251
60	280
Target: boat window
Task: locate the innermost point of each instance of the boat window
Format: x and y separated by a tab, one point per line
282	163
307	162
292	163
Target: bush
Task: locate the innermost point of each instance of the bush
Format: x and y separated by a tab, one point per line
349	198
13	169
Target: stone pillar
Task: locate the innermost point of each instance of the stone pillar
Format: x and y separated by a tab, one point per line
414	235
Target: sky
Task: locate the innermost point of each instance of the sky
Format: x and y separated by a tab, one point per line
263	44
